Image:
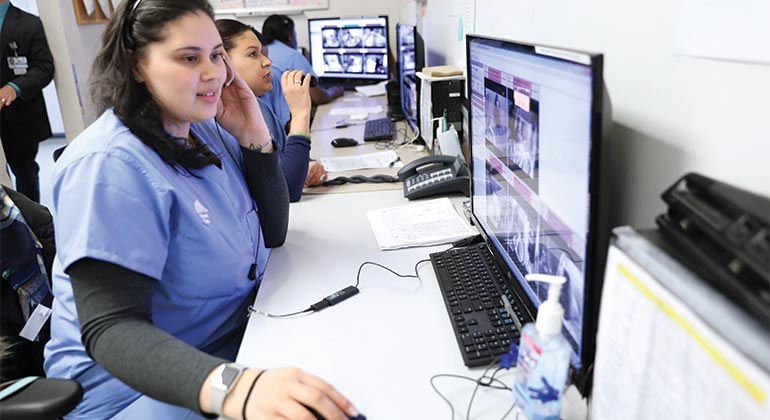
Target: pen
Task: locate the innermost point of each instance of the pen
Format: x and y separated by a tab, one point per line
391	164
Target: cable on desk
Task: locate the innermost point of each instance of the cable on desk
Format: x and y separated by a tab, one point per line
340	295
360	179
483	380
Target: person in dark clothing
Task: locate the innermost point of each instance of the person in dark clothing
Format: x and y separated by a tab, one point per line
26	68
20	253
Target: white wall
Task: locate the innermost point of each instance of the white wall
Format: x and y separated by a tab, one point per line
672	113
74	48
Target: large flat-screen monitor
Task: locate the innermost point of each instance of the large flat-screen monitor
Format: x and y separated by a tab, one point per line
411	58
538	121
349	49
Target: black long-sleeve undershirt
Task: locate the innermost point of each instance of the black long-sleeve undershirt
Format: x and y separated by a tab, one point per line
114	306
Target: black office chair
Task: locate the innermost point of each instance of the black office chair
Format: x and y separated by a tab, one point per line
43	398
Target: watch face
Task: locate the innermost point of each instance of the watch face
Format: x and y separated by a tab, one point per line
229	374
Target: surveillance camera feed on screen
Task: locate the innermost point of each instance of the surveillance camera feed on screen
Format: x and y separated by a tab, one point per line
349	48
531	140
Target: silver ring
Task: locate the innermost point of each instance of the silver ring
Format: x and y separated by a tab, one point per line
322	177
299	82
3	99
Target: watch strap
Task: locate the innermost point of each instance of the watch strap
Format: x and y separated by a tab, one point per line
222	383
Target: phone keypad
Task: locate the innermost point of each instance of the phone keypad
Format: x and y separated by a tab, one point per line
425	179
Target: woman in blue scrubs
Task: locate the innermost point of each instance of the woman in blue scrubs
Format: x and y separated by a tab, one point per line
281	38
165	209
245	48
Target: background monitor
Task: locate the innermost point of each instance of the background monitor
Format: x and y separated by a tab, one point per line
411	58
538	116
349	49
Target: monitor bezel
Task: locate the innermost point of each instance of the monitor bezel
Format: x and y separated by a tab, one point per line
352	80
419	61
597	236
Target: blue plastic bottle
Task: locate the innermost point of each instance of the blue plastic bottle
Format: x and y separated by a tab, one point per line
543	364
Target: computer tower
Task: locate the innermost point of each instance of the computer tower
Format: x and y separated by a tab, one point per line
440	98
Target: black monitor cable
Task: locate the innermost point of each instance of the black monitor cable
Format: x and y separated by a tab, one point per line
482	381
340	295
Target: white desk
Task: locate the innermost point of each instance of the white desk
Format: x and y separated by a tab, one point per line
323	132
381	347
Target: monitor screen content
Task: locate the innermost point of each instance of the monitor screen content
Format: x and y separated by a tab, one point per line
408	61
532	128
349	48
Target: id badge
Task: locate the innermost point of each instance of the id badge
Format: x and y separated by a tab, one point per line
18	64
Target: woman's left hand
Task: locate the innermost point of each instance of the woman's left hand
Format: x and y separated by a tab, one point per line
316	174
238	112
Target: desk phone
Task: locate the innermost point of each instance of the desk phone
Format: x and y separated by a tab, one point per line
435	175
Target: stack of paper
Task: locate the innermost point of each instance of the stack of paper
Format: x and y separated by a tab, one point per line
426	223
373	90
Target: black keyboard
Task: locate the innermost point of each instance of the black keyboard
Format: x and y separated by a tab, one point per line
379	129
473	286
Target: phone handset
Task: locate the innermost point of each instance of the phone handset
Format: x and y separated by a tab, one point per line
435	175
230	72
411	168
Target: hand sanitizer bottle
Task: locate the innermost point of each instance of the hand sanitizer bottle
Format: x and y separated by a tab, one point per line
544	354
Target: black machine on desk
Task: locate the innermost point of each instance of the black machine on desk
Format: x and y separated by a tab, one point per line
435	175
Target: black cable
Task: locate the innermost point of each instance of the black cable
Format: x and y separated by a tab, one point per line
340	295
480	382
360	179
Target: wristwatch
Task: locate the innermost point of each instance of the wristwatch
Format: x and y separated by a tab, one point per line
222	382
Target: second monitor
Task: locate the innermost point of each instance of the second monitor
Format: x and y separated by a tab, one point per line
349	50
411	58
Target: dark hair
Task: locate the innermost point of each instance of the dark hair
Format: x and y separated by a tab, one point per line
135	25
278	27
230	29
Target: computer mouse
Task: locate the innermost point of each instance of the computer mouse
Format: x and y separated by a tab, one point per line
344	142
318	415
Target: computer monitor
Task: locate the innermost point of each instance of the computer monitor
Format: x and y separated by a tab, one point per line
538	118
411	58
349	50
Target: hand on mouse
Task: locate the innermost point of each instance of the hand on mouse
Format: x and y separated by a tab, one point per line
316	174
283	393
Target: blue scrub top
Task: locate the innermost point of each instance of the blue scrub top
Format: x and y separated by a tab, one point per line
116	200
287	58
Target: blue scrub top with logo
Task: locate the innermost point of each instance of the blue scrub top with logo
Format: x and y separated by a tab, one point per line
115	200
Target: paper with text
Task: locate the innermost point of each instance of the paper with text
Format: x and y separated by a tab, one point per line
386	159
425	223
656	359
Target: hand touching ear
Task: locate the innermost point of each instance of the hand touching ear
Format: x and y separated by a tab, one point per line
238	112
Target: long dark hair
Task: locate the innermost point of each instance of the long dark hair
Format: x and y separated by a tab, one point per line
230	29
279	27
135	25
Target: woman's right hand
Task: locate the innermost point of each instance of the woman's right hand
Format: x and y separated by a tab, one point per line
284	393
297	97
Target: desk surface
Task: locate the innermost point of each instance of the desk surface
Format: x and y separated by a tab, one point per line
323	132
381	347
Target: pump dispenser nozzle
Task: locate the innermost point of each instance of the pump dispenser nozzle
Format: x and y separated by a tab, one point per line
550	313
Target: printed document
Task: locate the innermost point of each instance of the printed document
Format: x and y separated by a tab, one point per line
656	359
425	223
387	159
